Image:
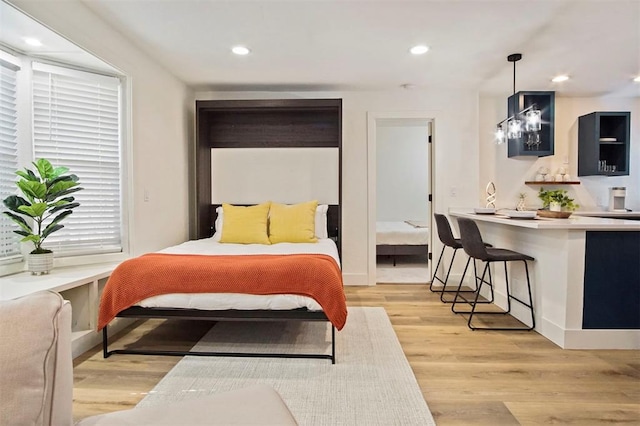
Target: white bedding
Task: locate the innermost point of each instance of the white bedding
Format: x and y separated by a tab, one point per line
220	301
400	233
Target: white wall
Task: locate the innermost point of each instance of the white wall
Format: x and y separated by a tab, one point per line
402	172
162	119
509	174
455	149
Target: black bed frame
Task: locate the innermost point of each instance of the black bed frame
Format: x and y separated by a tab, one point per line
401	250
301	314
266	123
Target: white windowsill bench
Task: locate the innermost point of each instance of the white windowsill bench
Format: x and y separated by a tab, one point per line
81	286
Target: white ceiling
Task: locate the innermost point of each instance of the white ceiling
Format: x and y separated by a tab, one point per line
363	45
15	26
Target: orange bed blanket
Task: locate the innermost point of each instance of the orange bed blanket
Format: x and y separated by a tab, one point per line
314	275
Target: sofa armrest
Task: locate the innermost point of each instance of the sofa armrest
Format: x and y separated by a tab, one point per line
36	370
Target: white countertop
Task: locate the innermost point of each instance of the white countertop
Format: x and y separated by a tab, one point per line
574	222
606	213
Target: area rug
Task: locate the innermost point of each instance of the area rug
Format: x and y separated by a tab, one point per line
370	384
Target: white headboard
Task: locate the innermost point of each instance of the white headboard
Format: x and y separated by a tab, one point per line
284	175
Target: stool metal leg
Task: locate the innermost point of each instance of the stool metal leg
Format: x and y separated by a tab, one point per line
533	317
446	278
509	297
435	271
476	291
457	290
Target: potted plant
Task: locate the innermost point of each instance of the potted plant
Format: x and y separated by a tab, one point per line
557	200
45	203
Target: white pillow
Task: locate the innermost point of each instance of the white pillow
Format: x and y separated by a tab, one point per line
320	222
218	225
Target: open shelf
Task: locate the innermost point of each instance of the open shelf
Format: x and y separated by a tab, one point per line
536	182
604	143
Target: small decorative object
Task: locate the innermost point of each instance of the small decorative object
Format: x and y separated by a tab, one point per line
491	195
542	175
566	178
548	178
46	202
521	202
556	203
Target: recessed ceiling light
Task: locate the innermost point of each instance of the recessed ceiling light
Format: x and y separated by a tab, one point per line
240	50
32	41
637	79
419	50
560	78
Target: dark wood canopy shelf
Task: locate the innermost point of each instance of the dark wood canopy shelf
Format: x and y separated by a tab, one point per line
262	123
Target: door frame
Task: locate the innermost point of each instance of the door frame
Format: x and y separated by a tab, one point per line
372	121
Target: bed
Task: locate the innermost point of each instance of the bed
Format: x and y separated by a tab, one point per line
402	238
143	287
247	151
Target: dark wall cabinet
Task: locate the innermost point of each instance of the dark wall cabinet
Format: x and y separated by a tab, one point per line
534	144
603	144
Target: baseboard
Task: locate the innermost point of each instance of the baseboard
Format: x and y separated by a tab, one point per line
602	339
356	279
589	339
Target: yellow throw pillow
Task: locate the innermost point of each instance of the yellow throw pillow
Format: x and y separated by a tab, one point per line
293	223
245	225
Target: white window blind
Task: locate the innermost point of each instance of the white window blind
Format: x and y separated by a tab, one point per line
9	241
77	125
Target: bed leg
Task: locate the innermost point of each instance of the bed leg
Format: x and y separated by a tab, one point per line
105	343
333	344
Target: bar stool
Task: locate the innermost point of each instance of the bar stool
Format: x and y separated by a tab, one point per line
448	240
476	249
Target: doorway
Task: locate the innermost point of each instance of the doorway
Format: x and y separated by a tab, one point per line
400	193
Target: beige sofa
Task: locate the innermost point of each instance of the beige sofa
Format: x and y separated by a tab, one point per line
36	378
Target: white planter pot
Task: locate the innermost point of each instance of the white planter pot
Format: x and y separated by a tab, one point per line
39	264
555	207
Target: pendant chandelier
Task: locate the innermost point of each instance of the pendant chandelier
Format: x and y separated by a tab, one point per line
528	120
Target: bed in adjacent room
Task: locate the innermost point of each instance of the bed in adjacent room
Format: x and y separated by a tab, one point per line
402	238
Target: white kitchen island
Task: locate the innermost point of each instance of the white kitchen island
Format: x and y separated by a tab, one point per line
585	279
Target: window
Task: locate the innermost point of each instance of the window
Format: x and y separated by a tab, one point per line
9	241
73	118
76	124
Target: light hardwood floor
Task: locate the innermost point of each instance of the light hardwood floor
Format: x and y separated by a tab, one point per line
467	377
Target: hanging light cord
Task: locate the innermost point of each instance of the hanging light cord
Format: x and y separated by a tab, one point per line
514	77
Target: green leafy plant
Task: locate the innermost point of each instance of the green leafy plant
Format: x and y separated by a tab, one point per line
557	196
45	201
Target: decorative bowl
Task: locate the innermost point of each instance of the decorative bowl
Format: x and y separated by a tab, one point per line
484	210
519	214
554	215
